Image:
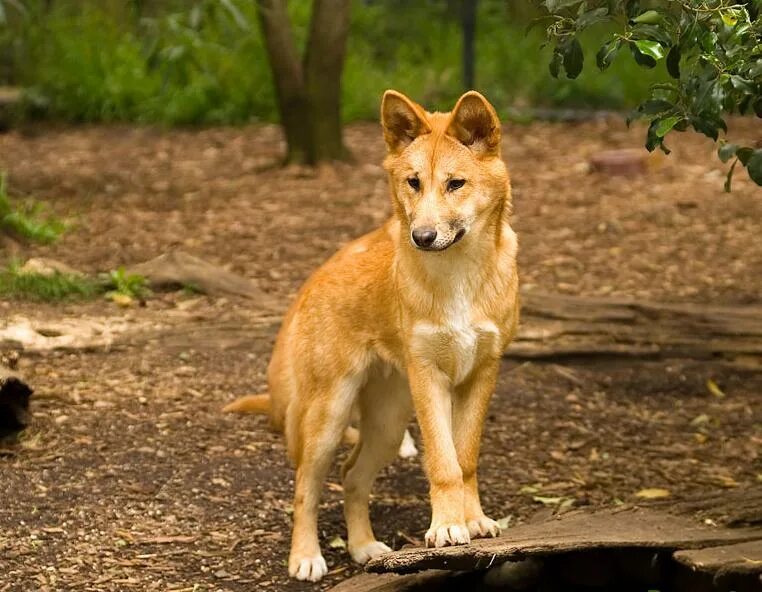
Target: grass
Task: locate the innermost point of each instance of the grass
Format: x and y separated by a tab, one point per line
19	285
118	286
206	64
126	287
27	222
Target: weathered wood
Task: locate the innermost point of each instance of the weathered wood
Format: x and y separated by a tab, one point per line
557	326
393	582
734	508
179	269
740	558
631	529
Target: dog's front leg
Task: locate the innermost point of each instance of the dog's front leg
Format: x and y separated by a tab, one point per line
432	398
469	411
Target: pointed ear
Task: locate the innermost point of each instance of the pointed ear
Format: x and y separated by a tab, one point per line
402	119
474	123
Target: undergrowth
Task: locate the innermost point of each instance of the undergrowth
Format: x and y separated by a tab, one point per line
27	221
204	63
19	285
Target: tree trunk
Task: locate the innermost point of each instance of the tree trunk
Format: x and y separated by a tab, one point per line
323	65
288	78
468	23
308	94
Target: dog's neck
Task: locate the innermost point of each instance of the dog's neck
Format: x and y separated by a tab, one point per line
461	270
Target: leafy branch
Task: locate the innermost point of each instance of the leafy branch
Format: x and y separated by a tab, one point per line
712	50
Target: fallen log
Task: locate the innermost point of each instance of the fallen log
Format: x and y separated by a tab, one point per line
178	269
555	326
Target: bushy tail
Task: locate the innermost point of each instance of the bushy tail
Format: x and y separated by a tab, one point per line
249	404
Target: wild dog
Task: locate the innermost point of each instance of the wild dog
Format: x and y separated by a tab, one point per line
411	318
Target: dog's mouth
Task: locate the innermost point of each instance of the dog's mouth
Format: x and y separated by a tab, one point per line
458	237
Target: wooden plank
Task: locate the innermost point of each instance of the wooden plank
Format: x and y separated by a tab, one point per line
739	558
392	582
735	507
635	528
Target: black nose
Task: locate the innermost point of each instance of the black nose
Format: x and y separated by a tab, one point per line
424	237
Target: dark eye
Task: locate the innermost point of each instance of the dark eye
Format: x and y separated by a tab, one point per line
455	184
414	182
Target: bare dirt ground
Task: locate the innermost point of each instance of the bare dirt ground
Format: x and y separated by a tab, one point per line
130	478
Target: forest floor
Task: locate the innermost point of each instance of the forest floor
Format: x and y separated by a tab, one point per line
130	478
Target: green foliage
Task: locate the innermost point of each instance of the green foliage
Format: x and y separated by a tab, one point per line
710	49
17	284
204	62
117	285
27	222
126	284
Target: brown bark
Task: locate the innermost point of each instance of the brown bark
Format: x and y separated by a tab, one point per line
323	64
288	78
556	326
308	93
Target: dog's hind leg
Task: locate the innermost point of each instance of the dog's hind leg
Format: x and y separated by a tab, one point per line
314	429
385	410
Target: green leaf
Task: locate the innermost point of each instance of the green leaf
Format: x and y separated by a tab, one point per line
654	106
744	154
556	5
607	53
740	83
653	140
708	127
555	64
573	58
653	33
651	49
727	151
664	125
709	41
757	106
754	167
649	17
632	8
729	17
673	62
641	59
591	17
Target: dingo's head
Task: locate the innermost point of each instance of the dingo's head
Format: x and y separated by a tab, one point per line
447	178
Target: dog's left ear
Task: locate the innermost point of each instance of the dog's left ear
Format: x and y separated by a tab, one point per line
474	122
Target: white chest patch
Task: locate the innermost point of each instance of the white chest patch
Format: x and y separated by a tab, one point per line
453	344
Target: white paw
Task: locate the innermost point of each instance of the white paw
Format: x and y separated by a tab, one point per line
483	527
309	568
443	536
407	448
368	551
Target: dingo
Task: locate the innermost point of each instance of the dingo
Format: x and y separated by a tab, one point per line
413	317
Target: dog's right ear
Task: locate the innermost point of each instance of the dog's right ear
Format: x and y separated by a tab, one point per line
403	121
